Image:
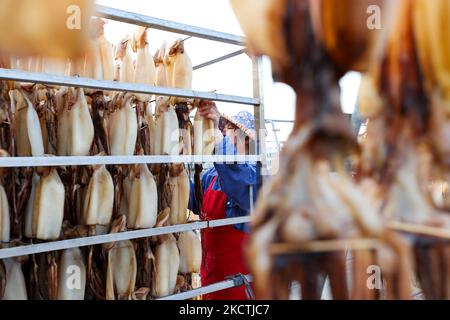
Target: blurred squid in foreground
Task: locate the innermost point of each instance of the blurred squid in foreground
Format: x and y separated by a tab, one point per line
312	43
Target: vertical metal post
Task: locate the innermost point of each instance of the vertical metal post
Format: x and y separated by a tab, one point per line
251	199
258	92
274	129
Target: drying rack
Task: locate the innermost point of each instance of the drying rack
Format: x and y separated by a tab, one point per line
420	230
154	23
318	246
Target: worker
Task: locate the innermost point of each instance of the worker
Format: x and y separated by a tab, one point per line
226	194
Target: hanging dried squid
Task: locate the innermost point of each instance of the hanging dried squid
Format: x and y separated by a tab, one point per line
15	286
5	223
167	261
123	126
409	87
28	134
168	133
44	27
143	199
72	275
330	206
99	199
144	72
98	60
48	206
124	61
190	252
204	135
121	272
180	186
179	74
75	132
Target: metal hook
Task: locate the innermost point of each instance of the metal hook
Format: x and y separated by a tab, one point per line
239	280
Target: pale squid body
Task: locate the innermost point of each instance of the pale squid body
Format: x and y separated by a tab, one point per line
93	62
167	129
35	64
180	198
28	132
4	216
100	58
145	72
125	58
204	135
81	127
161	79
63	121
15	288
143	200
122	270
190	252
48	207
179	69
123	129
152	127
29	208
55	66
99	200
167	261
75	131
125	201
72	275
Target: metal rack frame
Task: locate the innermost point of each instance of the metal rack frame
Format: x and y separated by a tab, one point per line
18	162
257	101
112	237
33	77
204	290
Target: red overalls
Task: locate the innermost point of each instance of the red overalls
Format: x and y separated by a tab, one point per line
222	248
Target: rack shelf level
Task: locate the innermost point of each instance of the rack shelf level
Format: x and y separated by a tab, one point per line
111	237
170	26
50	161
50	79
219	286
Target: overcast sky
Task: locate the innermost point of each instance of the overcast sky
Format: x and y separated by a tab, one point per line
233	76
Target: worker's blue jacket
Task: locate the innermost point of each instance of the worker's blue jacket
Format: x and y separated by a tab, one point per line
234	180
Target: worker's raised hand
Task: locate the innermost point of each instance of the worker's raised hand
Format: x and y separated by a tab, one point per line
208	109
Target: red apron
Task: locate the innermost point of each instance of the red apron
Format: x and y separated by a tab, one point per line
222	248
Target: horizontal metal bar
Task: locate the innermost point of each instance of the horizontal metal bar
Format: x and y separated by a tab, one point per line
20	162
226	222
220	59
165	25
324	246
279	120
105	238
33	77
219	286
112	237
420	230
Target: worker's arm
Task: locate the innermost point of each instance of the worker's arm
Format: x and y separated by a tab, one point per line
209	110
206	179
193	203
